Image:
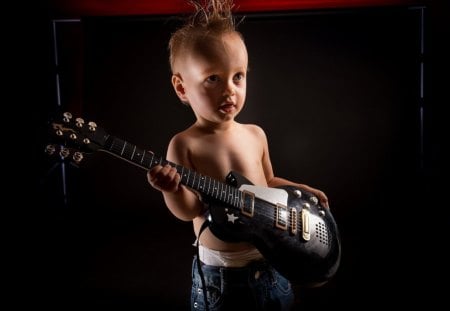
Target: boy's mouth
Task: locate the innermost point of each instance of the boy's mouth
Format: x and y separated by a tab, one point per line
227	108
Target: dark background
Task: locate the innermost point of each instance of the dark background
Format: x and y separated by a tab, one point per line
339	96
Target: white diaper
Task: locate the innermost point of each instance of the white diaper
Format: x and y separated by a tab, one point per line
228	259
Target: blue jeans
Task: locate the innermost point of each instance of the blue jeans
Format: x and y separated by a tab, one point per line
254	287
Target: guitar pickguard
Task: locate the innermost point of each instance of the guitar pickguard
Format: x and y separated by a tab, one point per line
271	195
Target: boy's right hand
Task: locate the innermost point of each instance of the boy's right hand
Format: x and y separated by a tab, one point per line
164	178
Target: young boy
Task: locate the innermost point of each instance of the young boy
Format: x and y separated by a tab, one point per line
209	62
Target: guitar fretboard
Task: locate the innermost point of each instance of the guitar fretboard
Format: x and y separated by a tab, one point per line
205	185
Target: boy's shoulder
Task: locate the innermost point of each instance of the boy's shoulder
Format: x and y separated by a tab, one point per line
254	129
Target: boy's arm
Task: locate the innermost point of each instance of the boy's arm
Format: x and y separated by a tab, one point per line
278	181
181	201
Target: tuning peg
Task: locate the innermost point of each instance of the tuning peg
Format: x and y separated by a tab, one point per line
79	122
64	152
67	116
77	157
92	126
50	149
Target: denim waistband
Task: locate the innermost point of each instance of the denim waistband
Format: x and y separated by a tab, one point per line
237	274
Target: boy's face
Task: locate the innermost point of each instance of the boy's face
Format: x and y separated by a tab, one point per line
211	77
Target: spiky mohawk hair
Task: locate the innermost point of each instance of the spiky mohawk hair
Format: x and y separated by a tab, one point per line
211	17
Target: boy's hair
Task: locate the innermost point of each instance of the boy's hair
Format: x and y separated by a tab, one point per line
211	18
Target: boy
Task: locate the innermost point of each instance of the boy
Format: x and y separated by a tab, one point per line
209	62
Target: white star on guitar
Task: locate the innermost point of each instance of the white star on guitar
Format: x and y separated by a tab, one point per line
231	217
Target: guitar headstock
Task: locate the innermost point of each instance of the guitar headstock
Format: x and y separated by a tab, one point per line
75	137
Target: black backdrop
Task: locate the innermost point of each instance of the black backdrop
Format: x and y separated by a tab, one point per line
338	94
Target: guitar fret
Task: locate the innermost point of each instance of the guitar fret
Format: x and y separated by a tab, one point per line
236	199
209	186
117	145
112	145
215	188
230	195
193	179
225	194
147	157
182	172
132	155
123	148
142	159
151	161
187	179
221	191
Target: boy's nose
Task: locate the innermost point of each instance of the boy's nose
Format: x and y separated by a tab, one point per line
229	91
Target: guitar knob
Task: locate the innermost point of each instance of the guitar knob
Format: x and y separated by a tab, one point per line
92	126
67	116
298	193
79	122
50	149
77	157
314	200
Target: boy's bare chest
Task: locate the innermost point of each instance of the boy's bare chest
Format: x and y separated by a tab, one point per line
217	159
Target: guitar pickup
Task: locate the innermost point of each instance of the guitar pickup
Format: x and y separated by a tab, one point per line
281	220
306	235
248	203
293	221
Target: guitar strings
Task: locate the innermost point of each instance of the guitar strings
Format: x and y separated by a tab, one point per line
140	157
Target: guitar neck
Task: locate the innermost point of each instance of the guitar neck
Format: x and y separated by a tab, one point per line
205	185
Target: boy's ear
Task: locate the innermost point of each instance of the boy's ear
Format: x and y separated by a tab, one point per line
177	83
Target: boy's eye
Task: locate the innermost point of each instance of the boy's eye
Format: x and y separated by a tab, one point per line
239	76
212	78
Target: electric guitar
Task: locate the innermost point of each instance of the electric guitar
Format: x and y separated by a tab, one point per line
288	225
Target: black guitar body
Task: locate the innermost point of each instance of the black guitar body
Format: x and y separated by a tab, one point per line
308	260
